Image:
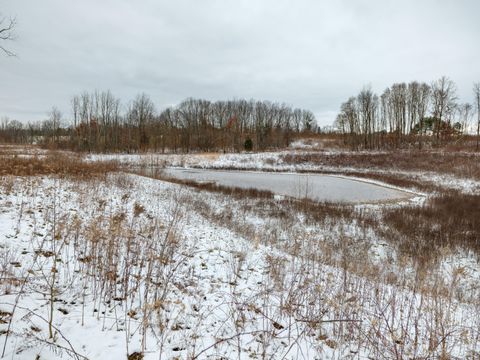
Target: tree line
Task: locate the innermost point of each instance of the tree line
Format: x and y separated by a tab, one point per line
99	122
410	113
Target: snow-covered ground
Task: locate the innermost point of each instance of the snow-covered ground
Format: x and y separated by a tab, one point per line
131	265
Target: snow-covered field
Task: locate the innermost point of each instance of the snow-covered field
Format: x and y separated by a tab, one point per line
133	266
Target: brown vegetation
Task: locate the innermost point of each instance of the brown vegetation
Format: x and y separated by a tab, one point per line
54	163
320	276
448	219
451	219
460	164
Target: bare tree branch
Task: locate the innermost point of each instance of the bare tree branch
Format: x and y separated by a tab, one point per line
7	33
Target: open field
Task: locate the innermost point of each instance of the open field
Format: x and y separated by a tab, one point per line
101	257
239	180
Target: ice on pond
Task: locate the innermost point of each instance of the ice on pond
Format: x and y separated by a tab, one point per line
318	187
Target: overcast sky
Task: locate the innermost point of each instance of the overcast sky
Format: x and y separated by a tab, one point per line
307	53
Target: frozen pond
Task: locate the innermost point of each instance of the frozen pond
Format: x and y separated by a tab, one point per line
314	186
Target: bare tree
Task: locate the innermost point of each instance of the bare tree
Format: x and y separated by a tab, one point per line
7	33
423	102
413	95
54	123
476	91
12	131
399	109
464	113
350	115
75	109
367	103
140	114
443	99
100	124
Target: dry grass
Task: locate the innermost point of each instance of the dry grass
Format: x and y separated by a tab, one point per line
210	155
459	164
14	149
54	163
117	257
449	220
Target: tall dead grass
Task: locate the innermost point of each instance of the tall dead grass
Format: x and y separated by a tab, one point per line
461	164
54	163
451	219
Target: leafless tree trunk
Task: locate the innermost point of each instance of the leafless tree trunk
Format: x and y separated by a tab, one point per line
465	112
399	107
349	116
367	106
413	94
54	121
476	91
423	102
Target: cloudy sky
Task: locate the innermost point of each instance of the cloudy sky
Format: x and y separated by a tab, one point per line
307	53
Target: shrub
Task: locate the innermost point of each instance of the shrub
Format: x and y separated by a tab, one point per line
248	145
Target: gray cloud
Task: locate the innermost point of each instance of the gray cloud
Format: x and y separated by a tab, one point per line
307	53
